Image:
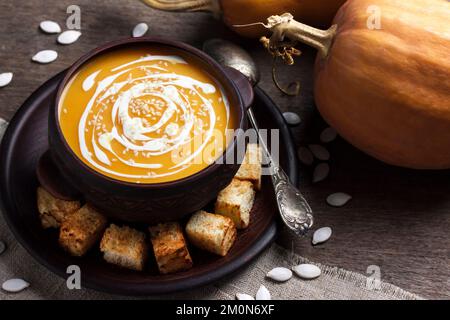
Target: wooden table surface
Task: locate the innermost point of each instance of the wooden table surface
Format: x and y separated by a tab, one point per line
398	219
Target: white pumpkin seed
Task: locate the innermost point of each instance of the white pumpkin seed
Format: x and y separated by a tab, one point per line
328	135
50	26
321	235
319	152
5	79
307	271
244	296
321	172
305	156
280	274
45	56
338	199
292	118
263	294
15	285
2	247
69	36
140	29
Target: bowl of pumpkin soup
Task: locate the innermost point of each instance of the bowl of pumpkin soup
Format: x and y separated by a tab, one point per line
148	130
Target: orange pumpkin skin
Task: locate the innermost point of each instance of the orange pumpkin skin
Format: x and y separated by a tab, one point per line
318	13
387	91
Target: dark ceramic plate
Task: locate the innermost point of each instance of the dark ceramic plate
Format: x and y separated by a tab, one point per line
26	140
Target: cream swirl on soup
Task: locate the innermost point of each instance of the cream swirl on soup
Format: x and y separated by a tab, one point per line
145	117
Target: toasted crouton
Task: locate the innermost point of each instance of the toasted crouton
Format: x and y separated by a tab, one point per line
81	230
211	232
236	202
125	247
250	169
170	247
53	211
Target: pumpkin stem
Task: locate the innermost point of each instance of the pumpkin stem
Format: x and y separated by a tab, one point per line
285	26
295	85
185	5
296	31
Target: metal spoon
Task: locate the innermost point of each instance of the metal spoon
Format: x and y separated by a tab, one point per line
293	207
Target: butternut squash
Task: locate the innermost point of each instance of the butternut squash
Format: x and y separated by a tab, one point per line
382	77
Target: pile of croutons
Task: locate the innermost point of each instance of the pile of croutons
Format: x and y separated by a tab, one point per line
82	227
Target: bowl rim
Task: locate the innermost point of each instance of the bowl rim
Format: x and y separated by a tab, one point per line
178	45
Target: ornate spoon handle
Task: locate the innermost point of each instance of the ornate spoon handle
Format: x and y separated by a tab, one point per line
293	207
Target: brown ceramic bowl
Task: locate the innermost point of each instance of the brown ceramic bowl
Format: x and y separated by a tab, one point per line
158	202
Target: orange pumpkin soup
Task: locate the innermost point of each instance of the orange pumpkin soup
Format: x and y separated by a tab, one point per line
145	115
